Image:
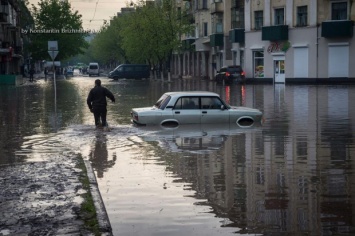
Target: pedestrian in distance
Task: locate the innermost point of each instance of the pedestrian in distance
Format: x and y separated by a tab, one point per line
97	103
32	72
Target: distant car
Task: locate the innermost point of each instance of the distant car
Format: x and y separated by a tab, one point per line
176	108
130	71
230	75
93	69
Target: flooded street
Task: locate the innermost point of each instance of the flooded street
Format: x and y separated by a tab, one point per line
293	175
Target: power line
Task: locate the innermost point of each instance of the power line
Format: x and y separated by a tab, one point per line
95	10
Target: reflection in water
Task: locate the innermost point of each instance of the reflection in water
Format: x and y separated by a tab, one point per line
293	175
99	155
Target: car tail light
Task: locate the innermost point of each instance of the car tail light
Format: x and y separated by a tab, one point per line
243	73
228	74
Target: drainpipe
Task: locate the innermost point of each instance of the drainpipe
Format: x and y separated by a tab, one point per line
317	49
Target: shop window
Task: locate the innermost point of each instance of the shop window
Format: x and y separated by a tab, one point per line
258	64
339	10
302	16
259	20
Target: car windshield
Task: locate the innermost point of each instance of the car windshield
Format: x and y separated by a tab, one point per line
117	67
162	102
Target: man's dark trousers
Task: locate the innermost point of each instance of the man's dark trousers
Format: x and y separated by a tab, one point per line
100	112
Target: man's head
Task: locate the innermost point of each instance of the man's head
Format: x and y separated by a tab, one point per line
98	82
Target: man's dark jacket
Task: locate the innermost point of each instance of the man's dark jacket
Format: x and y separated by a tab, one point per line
97	97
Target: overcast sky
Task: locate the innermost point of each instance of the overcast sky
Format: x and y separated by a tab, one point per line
94	12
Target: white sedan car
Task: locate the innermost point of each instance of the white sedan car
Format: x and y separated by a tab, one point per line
176	108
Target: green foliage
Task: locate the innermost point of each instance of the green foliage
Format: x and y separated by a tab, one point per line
52	18
106	46
148	35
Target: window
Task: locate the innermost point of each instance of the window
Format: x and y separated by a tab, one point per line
204	4
205	29
260	175
237	18
162	102
210	103
279	16
259	19
129	68
258	64
217	22
302	16
219	27
301	147
187	103
339	10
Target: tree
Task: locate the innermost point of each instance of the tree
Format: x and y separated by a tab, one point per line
106	46
26	22
150	34
55	21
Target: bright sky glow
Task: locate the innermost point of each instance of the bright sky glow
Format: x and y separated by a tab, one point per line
95	12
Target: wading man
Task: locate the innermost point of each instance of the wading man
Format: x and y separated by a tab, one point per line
97	103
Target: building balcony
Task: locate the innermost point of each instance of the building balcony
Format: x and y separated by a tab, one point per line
187	44
274	33
337	29
216	40
237	35
216	7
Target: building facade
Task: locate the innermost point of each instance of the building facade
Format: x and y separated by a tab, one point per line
273	40
11	57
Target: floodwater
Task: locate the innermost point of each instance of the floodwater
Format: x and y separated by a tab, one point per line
294	175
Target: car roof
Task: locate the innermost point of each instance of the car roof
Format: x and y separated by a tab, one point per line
195	93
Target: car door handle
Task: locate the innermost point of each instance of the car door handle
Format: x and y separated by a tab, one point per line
177	112
204	112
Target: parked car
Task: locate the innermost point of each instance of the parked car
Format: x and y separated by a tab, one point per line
230	74
130	71
93	69
176	108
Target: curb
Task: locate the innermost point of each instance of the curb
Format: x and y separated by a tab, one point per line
102	217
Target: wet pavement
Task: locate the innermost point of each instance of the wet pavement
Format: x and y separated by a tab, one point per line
44	198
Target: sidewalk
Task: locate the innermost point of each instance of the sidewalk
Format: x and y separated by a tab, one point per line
44	198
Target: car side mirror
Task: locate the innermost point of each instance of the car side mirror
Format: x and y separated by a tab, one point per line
222	107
